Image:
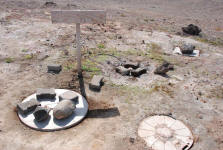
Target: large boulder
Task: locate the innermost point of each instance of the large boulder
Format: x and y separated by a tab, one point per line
45	94
69	95
41	113
26	107
63	109
191	29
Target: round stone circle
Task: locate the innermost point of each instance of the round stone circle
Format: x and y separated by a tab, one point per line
165	133
52	124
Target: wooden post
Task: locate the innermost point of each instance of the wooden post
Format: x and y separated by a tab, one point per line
78	52
78	17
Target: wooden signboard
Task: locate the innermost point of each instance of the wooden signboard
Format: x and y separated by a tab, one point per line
78	17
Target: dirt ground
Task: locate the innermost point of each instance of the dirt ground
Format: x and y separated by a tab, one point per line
144	31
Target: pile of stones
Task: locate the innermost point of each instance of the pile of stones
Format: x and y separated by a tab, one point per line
131	69
65	107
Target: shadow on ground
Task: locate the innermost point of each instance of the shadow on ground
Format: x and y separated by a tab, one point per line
103	113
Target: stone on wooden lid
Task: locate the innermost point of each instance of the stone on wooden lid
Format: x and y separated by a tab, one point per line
47	94
69	95
26	107
63	109
41	113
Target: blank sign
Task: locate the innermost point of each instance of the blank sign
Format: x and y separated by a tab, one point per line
78	16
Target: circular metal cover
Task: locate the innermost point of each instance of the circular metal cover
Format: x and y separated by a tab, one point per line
52	124
165	133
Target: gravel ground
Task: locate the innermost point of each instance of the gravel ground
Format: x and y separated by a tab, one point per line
192	93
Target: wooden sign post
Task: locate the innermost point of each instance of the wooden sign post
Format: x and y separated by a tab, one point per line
78	17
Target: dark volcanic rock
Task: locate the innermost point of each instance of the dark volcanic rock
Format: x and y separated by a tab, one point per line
96	83
28	106
122	70
41	113
133	65
164	68
161	70
54	68
138	72
187	48
63	109
191	29
50	4
45	94
69	95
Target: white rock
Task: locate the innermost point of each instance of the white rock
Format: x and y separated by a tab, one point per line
177	51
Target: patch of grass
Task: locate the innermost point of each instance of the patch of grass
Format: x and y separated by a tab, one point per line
101	46
134	52
162	88
128	90
123	15
153	46
69	66
154	52
216	92
101	58
90	66
28	56
146	20
216	42
25	50
9	60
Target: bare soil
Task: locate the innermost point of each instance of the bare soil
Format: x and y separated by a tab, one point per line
136	30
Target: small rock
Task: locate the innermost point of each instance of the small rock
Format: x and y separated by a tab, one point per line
118	36
161	70
164	68
187	48
42	94
41	113
50	4
133	65
69	95
191	29
168	65
54	68
42	56
96	83
177	51
132	140
138	72
171	67
27	106
122	70
63	109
